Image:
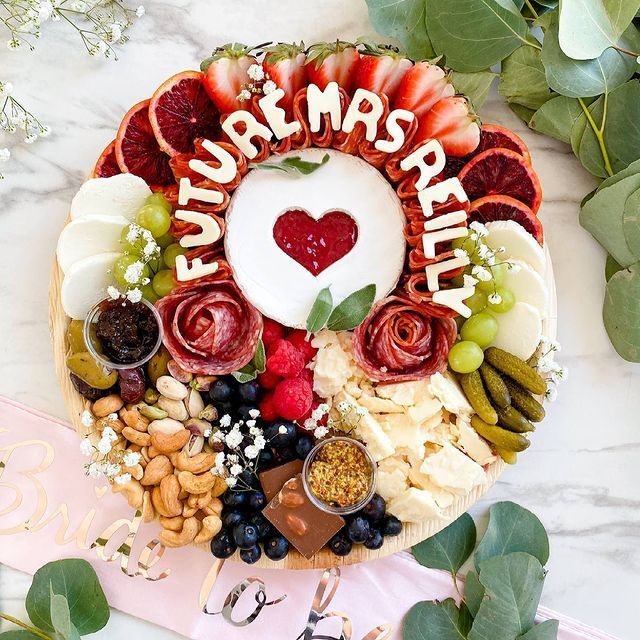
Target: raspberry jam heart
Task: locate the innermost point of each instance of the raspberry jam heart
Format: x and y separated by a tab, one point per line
315	244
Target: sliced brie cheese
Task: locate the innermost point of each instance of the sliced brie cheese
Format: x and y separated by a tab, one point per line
121	195
414	505
86	282
89	236
517	243
527	285
519	330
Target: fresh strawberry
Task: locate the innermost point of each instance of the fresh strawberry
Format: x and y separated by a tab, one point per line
226	76
452	122
381	69
422	86
285	65
332	62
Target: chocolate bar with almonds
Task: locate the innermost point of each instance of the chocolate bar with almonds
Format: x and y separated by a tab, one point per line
273	480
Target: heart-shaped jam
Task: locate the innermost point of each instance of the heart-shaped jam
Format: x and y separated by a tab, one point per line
315	244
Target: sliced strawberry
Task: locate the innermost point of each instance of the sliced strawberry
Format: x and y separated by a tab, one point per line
381	69
332	62
285	65
422	86
452	122
226	76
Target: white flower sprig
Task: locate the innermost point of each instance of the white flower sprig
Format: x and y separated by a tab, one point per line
345	417
545	363
260	83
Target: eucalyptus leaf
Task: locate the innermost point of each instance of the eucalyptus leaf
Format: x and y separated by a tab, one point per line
556	117
524	113
522	78
475	34
19	634
631	170
77	581
448	549
589	151
547	630
403	20
588	27
353	309
320	311
611	267
473	592
512	528
631	222
474	85
513	585
436	620
61	616
621	312
294	165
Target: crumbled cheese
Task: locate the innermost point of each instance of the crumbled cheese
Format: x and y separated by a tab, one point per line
414	505
333	366
451	469
446	389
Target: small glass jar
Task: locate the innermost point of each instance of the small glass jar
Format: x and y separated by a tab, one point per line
333	508
93	344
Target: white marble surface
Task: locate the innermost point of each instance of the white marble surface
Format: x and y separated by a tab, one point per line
582	473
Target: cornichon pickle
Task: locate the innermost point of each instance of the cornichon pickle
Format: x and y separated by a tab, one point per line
495	385
158	365
516	369
92	372
510	418
474	390
525	402
510	457
500	437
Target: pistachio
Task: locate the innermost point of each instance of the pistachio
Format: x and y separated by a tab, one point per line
209	413
152	412
171	388
177	372
197	427
168	426
194	446
151	396
194	403
203	383
175	408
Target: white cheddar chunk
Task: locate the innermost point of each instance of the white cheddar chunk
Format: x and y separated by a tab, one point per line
405	393
451	469
473	445
380	405
446	389
425	409
378	442
403	432
414	505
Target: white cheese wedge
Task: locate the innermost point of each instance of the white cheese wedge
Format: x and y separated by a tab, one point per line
517	243
451	469
422	481
414	505
404	432
519	330
378	442
333	366
447	390
380	405
473	445
89	236
527	285
121	195
404	393
425	409
86	282
392	477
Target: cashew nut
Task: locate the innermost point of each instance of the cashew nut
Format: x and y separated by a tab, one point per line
214	508
133	492
199	463
181	538
199	500
189	512
148	512
197	483
107	405
136	471
134	419
168	444
158	468
169	490
137	437
211	526
219	487
158	504
172	524
116	425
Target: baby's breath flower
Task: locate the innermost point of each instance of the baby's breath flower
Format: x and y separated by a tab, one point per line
256	72
123	478
86	448
482	273
131	458
269	87
231	482
460	253
5	154
495	298
140	11
133	273
244	95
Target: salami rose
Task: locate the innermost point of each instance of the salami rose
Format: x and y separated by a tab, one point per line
209	328
400	340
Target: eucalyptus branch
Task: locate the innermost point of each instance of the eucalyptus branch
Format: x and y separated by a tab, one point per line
529	6
598	131
24	625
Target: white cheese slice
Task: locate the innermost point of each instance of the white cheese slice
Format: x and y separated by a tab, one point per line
85	284
88	236
121	195
519	330
425	409
392	477
472	444
527	285
378	442
403	432
451	469
517	242
414	505
447	390
422	481
404	393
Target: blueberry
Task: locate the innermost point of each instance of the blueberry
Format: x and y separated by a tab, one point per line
245	535
222	545
276	548
248	479
231	519
225	408
250	555
304	446
265	459
358	530
235	498
257	500
262	525
391	526
221	390
280	440
243	412
286	454
375	508
340	544
249	392
375	539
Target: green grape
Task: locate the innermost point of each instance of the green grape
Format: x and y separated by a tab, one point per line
498	273
465	357
165	240
149	294
171	252
477	302
155	218
481	328
163	282
120	268
507	300
128	247
158	198
470	246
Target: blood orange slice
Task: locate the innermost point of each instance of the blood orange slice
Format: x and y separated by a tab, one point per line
181	111
107	164
499	207
504	172
137	150
493	136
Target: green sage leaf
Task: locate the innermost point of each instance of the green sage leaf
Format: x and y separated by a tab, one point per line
512	528
441	620
473	592
77	581
547	630
474	85
352	310
294	165
260	357
257	365
522	78
621	312
320	311
475	34
556	117
448	549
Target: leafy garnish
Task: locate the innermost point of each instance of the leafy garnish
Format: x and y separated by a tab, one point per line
293	166
257	365
353	309
320	311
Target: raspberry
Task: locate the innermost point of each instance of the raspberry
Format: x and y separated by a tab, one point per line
267	409
292	398
298	338
284	359
272	331
268	380
307	374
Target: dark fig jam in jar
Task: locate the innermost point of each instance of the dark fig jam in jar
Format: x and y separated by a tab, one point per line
127	331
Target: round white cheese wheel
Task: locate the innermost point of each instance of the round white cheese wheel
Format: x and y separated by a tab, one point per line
517	242
86	282
121	195
519	330
275	283
527	285
88	236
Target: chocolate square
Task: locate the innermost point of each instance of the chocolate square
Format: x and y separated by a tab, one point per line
273	480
